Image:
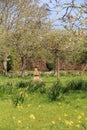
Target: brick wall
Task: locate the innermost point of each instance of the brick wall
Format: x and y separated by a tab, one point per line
31	64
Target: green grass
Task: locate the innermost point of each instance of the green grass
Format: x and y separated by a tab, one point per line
38	113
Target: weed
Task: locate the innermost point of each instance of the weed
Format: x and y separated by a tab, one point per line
55	91
18	98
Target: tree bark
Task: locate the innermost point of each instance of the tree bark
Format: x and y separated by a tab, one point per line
84	69
54	68
5	67
5	60
22	66
58	68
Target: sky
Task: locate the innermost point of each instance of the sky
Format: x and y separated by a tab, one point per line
58	12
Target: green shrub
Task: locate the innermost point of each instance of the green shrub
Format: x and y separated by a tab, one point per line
50	66
18	98
76	84
36	86
6	88
9	63
84	87
2	89
55	91
22	84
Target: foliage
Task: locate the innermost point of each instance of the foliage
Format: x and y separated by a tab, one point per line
76	84
6	88
83	58
18	98
36	86
22	84
32	86
23	25
9	63
83	51
55	91
49	66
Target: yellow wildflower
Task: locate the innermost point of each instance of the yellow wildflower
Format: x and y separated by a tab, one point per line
29	105
59	103
68	105
77	125
32	117
19	121
13	117
86	118
65	115
59	118
82	114
39	106
53	122
79	117
79	121
19	106
69	122
75	110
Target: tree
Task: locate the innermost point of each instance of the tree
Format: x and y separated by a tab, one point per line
71	15
4	50
5	27
82	55
30	24
57	42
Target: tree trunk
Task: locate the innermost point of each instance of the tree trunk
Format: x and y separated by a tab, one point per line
5	60
22	66
54	68
5	67
58	68
84	69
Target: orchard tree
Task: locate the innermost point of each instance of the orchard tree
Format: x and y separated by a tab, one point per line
62	44
72	16
6	13
82	54
4	51
30	24
57	42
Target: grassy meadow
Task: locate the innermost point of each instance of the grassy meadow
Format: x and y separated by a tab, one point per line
39	113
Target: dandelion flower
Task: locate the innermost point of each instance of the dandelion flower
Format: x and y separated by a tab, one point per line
13	117
79	121
77	125
19	106
69	123
65	115
82	114
53	122
29	105
39	106
59	118
32	117
79	117
86	118
19	121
